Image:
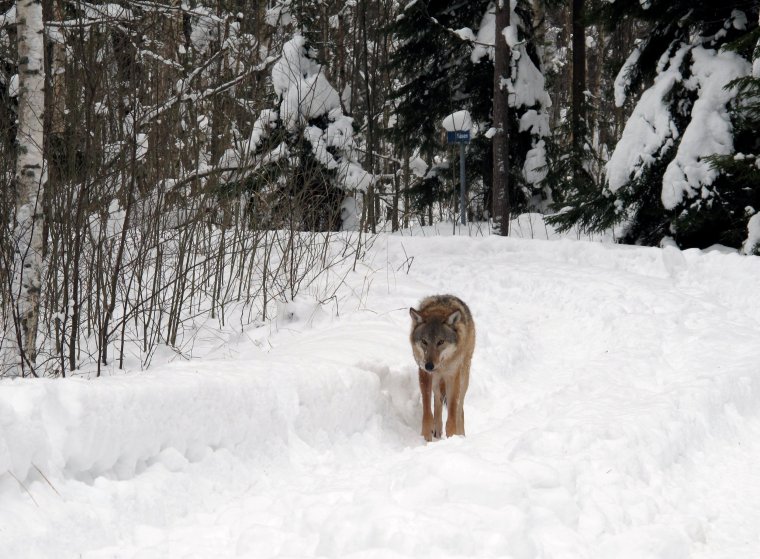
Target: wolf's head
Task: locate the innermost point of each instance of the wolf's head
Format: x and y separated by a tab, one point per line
434	339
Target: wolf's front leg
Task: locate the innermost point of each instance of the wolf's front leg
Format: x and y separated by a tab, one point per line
426	389
453	409
439	400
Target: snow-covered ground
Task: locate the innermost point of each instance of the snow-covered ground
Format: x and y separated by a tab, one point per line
613	413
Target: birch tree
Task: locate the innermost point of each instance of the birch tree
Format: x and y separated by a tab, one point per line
30	173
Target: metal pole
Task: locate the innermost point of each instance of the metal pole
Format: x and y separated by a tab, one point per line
462	207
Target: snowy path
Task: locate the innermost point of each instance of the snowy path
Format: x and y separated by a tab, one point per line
614	412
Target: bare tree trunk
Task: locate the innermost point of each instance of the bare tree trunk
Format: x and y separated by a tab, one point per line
396	198
407	178
501	206
372	213
579	87
30	171
57	105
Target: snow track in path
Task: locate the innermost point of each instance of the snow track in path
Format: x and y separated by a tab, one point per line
613	413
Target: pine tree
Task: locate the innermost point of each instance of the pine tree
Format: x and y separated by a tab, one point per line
660	181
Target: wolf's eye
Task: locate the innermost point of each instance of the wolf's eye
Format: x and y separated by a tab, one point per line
440	343
424	342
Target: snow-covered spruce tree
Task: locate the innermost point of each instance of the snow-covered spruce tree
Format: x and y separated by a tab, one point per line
301	156
742	168
660	180
444	58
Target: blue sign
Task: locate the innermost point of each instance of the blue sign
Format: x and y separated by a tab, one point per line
458	137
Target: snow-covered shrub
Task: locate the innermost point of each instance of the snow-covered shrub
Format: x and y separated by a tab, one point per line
301	154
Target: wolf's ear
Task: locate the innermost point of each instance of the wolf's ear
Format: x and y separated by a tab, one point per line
453	318
416	317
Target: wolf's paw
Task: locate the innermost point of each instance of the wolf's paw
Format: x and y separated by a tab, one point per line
428	426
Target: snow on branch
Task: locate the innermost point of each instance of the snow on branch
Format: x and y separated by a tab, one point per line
710	131
648	130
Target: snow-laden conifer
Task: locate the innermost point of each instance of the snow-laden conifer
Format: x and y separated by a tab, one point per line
661	177
305	142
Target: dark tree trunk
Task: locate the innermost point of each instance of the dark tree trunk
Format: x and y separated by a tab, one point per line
579	86
501	206
372	213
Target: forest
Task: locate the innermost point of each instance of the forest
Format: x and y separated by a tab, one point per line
168	160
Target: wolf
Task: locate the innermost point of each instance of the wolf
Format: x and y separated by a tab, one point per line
443	341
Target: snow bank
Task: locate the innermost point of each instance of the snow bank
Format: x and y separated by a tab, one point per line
117	427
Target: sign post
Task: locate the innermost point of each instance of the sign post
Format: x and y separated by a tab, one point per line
460	137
